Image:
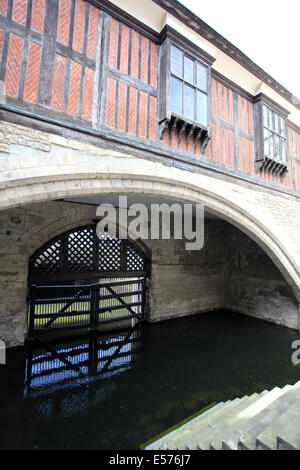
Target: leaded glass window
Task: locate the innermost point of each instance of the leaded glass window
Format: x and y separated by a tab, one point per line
188	88
274	135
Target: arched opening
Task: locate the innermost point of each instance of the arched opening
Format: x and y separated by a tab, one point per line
84	279
247	208
236	204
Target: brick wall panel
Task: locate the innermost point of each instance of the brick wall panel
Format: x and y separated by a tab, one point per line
78	33
14	65
143	114
197	150
208	150
241	149
113	43
166	137
226	139
247	166
63	27
223	139
214	141
220	144
38	14
132	110
32	72
240	111
92	32
122	102
3	7
124	49
225	104
191	144
246	115
153	64
20	11
88	93
251	154
183	142
73	98
144	59
230	107
152	118
214	97
220	103
58	82
111	102
134	53
250	117
174	138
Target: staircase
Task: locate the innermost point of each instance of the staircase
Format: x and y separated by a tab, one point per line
269	420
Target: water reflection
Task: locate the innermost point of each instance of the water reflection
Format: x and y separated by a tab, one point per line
118	390
74	365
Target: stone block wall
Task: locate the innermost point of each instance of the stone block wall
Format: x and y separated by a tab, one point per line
186	282
253	284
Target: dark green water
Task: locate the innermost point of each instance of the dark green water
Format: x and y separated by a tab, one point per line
129	389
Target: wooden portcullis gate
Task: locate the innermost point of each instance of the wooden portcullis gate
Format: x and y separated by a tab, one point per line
81	280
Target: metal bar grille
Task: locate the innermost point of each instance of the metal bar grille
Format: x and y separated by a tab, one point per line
79	251
84	279
54	307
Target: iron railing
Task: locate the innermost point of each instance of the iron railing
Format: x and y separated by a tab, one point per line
54	307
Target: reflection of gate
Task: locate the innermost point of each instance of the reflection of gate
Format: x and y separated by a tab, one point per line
59	365
80	280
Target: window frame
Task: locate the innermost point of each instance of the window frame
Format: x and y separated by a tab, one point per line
170	37
274	131
264	160
193	85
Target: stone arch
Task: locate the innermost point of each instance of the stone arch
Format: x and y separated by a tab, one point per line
70	218
136	176
234	203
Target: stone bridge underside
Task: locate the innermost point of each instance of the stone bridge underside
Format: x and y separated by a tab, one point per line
37	168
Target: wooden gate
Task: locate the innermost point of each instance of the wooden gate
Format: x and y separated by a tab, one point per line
81	280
